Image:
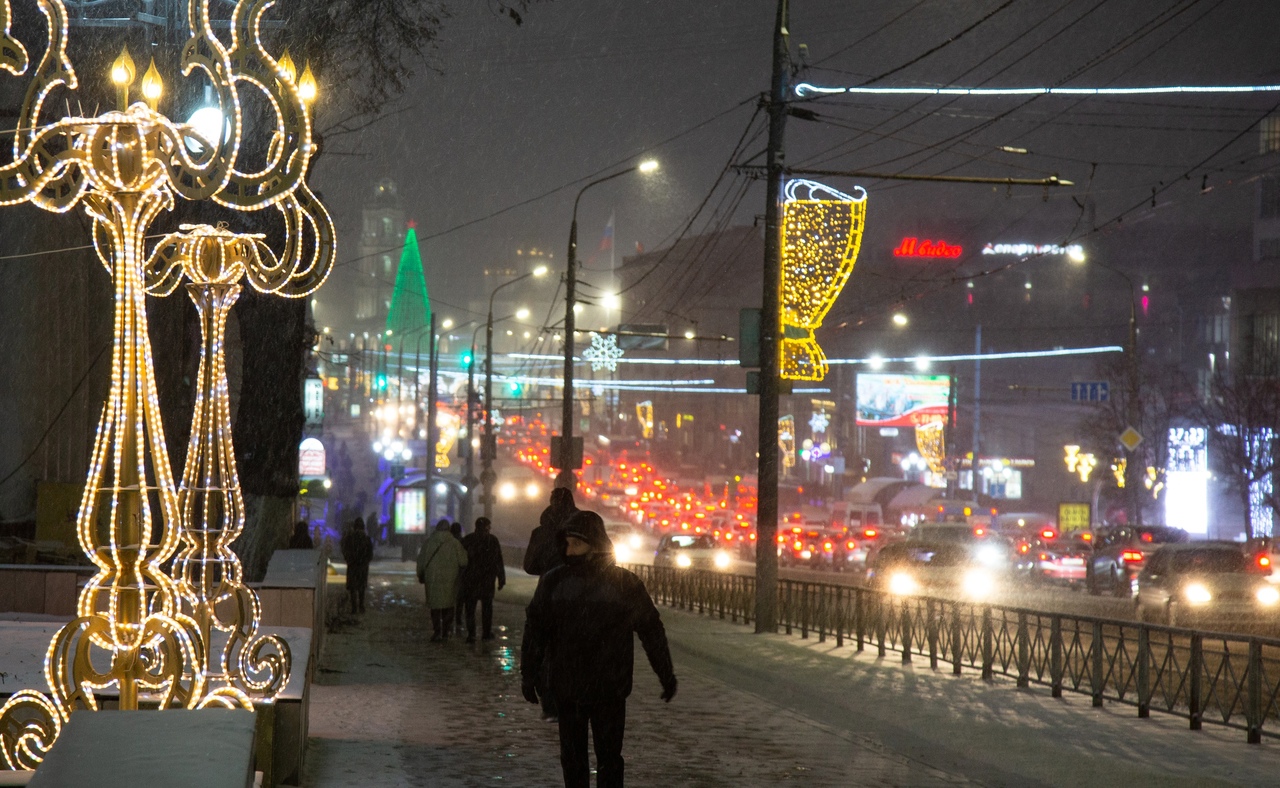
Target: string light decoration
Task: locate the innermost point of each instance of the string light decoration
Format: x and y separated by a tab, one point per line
604	352
931	442
644	415
448	425
1080	463
787	440
139	630
821	235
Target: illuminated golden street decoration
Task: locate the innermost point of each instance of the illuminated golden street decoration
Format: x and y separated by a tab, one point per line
644	414
147	634
1118	469
787	440
447	427
930	440
1079	463
821	235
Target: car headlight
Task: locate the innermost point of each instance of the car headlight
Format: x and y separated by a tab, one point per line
990	555
1197	594
532	490
1267	595
683	561
722	560
902	584
806	555
507	491
622	553
978	584
635	541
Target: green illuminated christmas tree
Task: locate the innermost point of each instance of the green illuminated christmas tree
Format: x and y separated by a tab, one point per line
410	312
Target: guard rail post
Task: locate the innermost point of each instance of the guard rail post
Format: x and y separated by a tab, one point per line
988	645
1055	656
931	632
1096	680
957	640
1195	666
839	616
905	626
880	625
786	606
804	611
823	609
1024	651
1144	671
860	618
1254	704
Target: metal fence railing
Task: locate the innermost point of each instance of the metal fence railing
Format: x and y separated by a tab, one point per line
1204	677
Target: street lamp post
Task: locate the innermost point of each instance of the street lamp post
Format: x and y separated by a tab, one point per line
566	477
1131	395
487	446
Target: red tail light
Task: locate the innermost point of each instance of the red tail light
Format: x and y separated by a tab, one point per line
979	531
828	546
1264	562
753	537
1131	556
849	546
781	539
870	533
1024	548
798	546
1087	537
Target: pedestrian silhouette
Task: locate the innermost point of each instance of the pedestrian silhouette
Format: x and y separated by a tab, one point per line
439	562
456	530
484	567
301	539
544	551
580	624
357	551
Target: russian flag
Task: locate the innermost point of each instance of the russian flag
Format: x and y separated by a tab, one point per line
606	240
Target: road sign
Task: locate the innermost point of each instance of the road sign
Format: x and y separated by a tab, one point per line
1073	517
1130	438
1091	391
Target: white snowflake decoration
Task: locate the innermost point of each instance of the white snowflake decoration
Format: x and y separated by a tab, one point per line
603	353
820	422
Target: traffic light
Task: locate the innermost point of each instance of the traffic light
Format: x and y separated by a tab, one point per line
466	359
515	389
380	382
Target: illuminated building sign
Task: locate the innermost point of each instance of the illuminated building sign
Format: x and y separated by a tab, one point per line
1186	500
914	247
311	458
1074	251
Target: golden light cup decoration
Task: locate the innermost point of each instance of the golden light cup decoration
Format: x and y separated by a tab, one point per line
139	631
821	236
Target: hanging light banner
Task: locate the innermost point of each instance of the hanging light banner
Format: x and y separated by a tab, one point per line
821	235
890	400
1073	251
927	248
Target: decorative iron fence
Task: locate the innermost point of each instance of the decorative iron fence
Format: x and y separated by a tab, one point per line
1219	678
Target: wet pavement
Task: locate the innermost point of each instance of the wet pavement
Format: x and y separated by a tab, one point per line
389	708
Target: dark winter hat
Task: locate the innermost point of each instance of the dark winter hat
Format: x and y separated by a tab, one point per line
587	526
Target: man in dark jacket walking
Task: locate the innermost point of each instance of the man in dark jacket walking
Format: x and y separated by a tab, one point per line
580	624
357	551
484	566
545	551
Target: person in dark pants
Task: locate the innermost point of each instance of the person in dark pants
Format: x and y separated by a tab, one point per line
580	624
484	566
440	563
357	551
301	539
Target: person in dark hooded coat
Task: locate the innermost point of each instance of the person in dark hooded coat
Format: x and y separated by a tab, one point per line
580	625
545	551
484	568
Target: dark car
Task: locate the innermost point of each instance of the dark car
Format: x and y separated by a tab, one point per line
1059	558
1211	583
1119	554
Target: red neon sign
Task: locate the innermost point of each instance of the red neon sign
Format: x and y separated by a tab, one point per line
914	247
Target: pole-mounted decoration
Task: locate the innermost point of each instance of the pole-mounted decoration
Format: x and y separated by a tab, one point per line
188	639
821	234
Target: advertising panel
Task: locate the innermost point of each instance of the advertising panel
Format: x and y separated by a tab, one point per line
411	510
894	400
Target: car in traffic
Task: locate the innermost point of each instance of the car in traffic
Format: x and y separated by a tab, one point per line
628	540
1210	584
1120	552
927	566
1059	559
691	551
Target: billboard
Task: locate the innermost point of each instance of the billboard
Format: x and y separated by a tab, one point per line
895	400
411	510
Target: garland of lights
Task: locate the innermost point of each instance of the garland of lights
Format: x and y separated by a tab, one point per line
787	440
644	415
821	236
138	629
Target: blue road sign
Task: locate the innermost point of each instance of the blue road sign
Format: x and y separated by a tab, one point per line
1091	391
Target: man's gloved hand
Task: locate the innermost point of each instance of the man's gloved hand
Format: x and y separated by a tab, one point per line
669	689
529	691
501	584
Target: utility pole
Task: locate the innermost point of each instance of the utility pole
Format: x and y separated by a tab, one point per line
433	431
977	411
767	467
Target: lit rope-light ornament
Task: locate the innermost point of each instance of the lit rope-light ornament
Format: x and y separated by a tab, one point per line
819	422
821	235
644	415
931	441
787	440
604	352
139	629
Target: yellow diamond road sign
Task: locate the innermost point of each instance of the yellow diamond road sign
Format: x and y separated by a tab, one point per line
1130	438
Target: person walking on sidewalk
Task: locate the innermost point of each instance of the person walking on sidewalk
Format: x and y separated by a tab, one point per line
439	562
545	551
580	624
357	551
484	566
456	530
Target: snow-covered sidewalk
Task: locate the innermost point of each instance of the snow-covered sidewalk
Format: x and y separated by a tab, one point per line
390	709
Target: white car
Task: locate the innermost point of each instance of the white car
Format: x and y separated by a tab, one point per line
692	551
628	541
